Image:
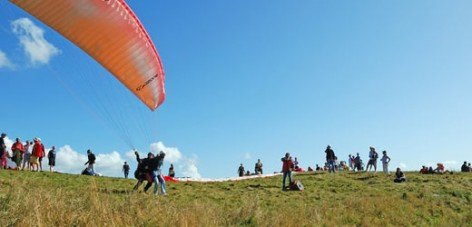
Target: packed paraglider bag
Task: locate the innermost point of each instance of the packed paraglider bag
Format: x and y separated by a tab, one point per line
296	186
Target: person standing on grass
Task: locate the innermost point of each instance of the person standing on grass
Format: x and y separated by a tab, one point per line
330	159
373	156
350	161
3	151
38	150
27	155
287	167
18	149
156	165
91	161
126	170
385	160
52	159
143	171
171	171
258	167
399	176
241	170
42	155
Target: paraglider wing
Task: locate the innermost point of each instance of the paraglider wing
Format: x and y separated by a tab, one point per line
109	32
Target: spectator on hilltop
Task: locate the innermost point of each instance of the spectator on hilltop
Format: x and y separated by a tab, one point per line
287	167
241	170
90	161
18	149
358	163
350	160
171	171
373	156
3	151
258	167
385	160
465	168
38	150
52	159
399	176
41	155
424	170
440	168
330	159
126	169
27	155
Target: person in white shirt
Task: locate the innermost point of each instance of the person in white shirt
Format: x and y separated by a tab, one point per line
385	160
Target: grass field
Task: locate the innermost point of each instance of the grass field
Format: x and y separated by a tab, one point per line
350	199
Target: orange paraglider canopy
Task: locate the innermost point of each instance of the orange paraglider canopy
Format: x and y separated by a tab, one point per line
109	32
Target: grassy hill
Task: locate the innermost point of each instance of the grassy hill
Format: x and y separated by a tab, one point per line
45	199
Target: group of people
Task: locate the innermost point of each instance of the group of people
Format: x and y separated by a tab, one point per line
149	169
465	168
440	169
258	169
26	156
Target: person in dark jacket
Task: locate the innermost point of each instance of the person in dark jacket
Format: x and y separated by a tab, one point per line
241	170
126	169
465	168
330	159
52	158
143	171
399	176
91	161
171	171
287	167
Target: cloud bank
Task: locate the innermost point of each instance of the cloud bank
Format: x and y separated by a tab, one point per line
38	50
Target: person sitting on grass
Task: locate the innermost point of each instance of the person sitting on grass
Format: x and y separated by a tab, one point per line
399	176
465	168
287	167
440	168
424	170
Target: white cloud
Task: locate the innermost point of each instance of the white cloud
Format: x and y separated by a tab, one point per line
35	46
173	154
189	168
186	166
4	61
402	165
247	156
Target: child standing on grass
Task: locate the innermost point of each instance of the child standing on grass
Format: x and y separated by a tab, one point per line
287	166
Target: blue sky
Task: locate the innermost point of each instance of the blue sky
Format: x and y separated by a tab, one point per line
256	79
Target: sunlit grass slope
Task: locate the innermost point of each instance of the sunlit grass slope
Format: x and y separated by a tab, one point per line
45	199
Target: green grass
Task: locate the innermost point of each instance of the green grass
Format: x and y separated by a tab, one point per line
348	199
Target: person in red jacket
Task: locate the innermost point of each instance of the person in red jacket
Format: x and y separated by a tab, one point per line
287	168
18	149
38	151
